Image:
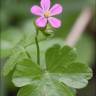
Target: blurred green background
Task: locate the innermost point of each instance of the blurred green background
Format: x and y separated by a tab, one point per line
16	20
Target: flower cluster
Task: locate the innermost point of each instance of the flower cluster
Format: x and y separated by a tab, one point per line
45	14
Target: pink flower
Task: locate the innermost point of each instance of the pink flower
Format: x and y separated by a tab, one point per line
46	14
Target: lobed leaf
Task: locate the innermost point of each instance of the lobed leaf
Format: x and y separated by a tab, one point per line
62	64
26	72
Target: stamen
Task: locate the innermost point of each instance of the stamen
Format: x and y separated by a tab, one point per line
47	14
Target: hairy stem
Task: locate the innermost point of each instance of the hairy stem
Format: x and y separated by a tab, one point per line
38	49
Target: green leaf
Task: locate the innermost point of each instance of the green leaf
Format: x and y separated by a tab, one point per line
45	88
26	72
61	69
17	55
75	75
57	57
62	64
36	82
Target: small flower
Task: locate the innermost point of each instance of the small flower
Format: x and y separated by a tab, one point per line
46	14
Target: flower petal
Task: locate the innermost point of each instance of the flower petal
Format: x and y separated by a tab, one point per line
45	4
56	9
56	23
41	22
36	10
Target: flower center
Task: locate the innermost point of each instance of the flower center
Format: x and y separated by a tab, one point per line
47	14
